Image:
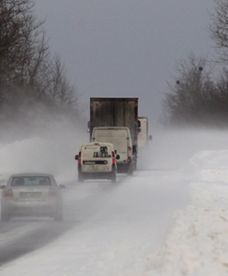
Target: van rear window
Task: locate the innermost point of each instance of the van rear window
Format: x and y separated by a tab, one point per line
103	152
96	152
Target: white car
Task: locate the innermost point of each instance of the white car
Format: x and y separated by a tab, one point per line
31	194
97	160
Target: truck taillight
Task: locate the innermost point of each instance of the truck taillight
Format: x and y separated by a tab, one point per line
8	193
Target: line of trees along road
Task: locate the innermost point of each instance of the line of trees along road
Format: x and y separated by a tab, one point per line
197	96
29	75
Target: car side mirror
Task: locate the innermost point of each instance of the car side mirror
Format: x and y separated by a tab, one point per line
117	157
150	137
76	157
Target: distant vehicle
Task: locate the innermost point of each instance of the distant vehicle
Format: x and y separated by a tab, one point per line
116	112
120	137
97	160
143	135
31	194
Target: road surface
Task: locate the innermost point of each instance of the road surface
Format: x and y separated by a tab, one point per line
108	229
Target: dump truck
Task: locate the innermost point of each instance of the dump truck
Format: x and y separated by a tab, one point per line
112	113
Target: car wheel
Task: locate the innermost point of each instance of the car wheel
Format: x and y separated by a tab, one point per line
58	216
5	214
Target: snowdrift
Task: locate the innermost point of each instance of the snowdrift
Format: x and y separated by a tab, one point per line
198	242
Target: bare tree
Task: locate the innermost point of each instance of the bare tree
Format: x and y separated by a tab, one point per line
188	99
61	91
28	73
185	94
14	39
196	97
219	28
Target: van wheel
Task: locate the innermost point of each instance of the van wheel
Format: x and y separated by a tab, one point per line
80	177
113	175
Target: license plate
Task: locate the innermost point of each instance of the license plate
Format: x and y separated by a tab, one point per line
89	163
97	162
30	194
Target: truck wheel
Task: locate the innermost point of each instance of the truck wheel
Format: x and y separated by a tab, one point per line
113	178
130	168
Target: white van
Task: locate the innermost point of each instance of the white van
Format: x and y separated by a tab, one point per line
97	160
120	137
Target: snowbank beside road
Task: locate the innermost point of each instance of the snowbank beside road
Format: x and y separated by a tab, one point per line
198	243
211	166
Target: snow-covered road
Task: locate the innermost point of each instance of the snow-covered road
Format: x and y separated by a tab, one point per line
170	219
114	228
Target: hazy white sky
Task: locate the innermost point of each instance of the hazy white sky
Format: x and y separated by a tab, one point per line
126	47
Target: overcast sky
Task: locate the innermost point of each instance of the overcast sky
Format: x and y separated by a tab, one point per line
126	47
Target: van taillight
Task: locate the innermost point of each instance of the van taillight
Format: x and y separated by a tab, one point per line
113	158
79	158
8	193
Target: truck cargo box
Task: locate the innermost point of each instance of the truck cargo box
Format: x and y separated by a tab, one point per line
115	112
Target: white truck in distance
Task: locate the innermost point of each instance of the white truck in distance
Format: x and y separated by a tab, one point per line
120	137
143	135
118	112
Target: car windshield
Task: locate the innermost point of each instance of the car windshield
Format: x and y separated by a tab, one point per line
30	181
